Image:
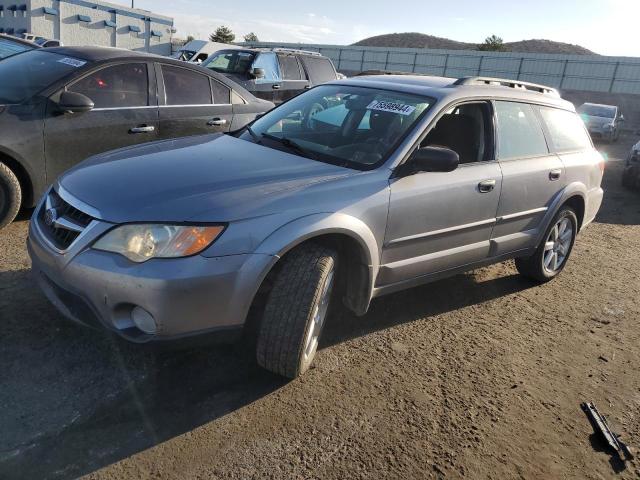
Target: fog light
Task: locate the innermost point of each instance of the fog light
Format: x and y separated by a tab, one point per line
144	320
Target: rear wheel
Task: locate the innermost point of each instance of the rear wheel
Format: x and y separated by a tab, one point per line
296	310
553	253
10	195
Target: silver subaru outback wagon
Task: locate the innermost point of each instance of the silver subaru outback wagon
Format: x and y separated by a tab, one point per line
352	190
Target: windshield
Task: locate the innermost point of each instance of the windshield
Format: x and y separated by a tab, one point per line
351	126
604	111
29	73
9	48
230	61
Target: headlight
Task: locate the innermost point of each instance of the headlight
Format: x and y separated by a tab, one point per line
140	243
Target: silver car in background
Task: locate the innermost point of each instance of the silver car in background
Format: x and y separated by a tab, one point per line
604	122
352	190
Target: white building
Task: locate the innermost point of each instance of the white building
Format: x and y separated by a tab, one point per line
88	22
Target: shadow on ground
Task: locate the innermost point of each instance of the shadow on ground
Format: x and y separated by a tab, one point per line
75	400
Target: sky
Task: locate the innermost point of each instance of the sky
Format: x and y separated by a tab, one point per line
608	27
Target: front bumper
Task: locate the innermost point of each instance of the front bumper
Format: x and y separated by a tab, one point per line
601	132
185	296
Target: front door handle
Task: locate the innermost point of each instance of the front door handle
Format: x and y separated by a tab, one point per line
142	129
486	186
276	86
555	174
217	122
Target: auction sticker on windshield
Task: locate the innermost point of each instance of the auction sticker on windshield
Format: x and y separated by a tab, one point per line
392	107
72	61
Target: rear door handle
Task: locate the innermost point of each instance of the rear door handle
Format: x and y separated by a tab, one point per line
555	174
217	122
142	129
276	87
486	186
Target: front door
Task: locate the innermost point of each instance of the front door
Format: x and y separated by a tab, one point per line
268	87
123	115
533	177
192	103
440	221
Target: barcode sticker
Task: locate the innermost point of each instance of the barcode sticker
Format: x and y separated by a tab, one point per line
392	107
72	61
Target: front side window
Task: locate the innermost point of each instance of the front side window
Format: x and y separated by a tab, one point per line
566	129
519	132
235	62
185	87
118	86
269	63
351	126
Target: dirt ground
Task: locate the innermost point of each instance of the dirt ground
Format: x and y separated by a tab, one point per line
477	376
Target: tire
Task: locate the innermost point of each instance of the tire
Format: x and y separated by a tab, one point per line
296	310
537	266
10	195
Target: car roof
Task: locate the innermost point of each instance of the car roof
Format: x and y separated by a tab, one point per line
599	105
442	88
98	54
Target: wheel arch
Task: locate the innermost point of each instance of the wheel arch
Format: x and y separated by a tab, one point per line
352	238
22	174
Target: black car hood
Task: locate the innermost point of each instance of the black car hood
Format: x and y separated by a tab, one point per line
217	177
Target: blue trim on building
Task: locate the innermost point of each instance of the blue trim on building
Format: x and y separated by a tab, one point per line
12	8
109	23
156	33
84	18
22	8
134	28
117	11
50	11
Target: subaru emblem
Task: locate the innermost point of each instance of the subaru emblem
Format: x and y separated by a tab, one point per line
50	216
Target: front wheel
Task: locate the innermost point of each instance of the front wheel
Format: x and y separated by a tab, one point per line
10	195
296	310
553	253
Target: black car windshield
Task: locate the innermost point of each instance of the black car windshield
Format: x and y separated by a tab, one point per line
230	61
29	73
184	55
9	48
603	111
352	126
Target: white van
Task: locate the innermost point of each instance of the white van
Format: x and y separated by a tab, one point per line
197	51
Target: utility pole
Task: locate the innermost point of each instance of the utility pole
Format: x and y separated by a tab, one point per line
132	2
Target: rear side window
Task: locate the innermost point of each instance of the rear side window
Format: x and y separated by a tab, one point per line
519	131
566	129
290	67
221	93
319	69
185	87
118	86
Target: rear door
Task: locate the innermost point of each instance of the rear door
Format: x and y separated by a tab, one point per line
125	114
294	79
532	177
192	103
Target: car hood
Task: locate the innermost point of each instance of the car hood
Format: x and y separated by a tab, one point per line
217	177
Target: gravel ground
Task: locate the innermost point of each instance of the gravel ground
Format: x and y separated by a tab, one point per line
480	375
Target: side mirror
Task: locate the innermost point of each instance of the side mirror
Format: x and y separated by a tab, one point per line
257	73
73	102
433	159
621	118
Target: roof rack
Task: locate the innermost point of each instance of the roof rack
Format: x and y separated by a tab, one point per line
369	73
295	50
517	84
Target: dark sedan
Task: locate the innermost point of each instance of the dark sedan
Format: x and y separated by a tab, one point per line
59	106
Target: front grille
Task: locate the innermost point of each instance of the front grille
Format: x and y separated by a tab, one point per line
61	222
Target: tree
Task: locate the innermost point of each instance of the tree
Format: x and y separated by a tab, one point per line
493	44
222	35
190	38
251	37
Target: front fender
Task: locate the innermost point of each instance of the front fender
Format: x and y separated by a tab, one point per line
297	231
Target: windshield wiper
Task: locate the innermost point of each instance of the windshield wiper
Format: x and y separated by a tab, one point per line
291	145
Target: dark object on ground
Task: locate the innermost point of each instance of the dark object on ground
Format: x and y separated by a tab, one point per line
601	427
